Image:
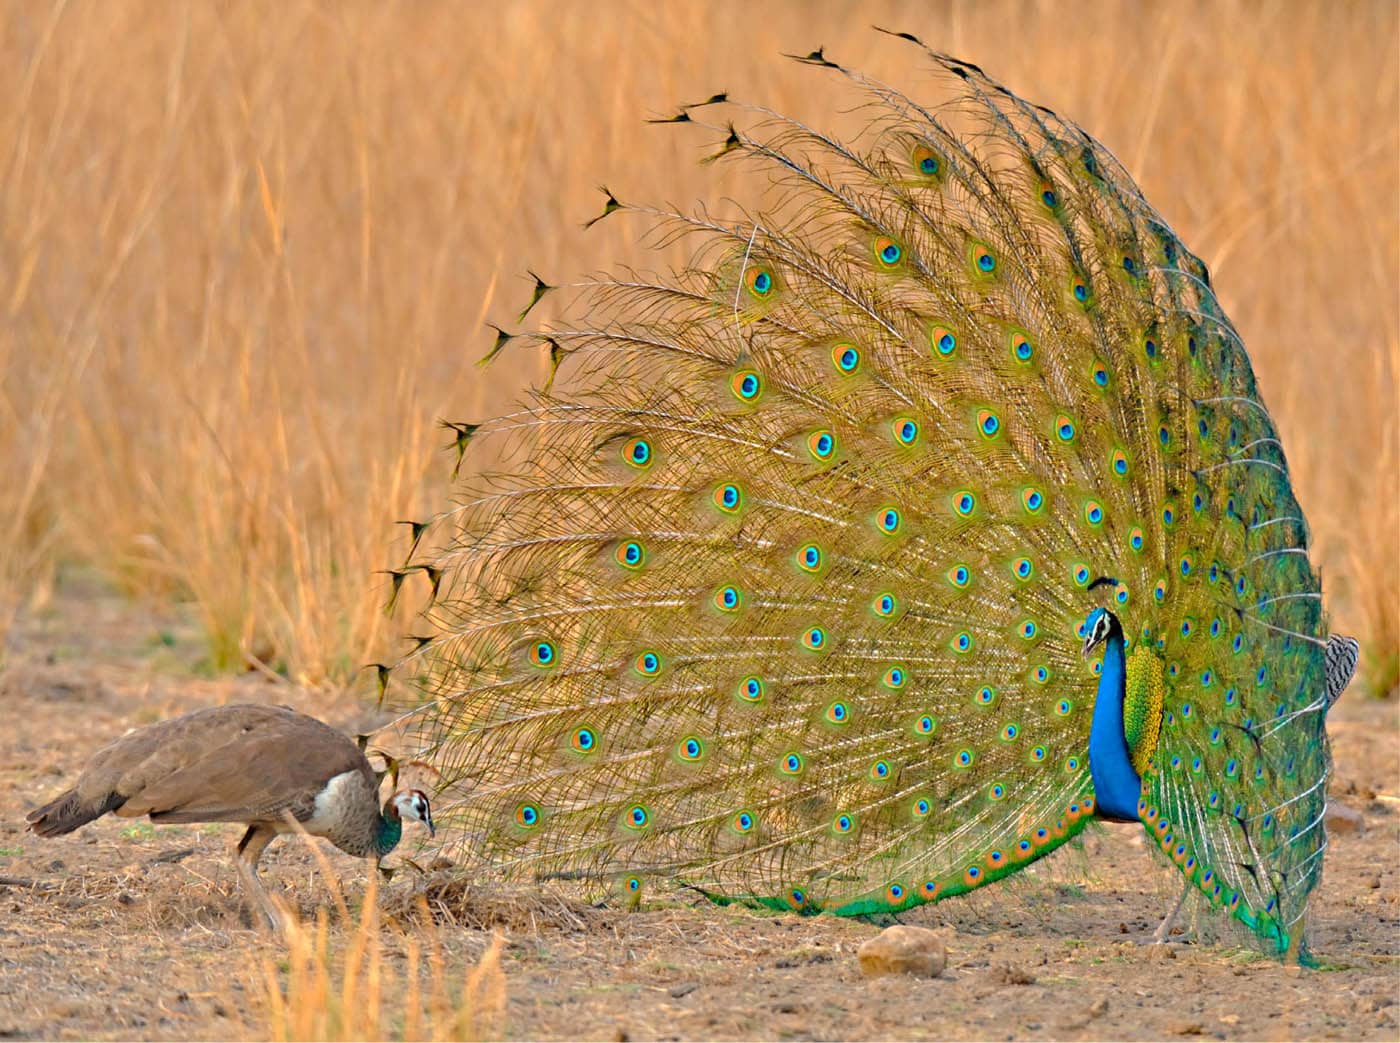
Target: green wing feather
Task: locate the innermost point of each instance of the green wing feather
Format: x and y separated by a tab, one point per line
780	594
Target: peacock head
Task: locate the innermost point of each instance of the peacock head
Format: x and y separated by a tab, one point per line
413	804
1099	626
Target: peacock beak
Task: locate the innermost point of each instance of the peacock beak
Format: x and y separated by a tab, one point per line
1089	645
428	821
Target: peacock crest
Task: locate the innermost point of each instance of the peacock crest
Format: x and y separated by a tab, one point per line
783	589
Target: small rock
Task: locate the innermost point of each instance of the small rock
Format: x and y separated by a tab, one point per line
1371	880
1098	1008
1229	1019
902	949
677	991
1341	819
1186	1028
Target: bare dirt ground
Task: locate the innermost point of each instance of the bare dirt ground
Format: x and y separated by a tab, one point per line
123	930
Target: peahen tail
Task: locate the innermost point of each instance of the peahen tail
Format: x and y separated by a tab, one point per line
783	587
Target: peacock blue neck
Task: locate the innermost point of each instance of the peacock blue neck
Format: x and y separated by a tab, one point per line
1116	783
389	831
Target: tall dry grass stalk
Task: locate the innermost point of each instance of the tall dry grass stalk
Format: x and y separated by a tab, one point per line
246	252
339	983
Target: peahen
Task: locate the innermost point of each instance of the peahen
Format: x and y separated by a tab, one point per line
270	767
928	515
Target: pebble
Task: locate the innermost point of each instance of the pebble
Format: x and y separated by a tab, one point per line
902	949
1186	1028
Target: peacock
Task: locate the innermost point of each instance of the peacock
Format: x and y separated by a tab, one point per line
928	514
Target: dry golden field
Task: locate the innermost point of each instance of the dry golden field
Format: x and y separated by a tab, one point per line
247	249
247	252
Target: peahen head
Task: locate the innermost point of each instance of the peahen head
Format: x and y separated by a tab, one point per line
411	804
1099	626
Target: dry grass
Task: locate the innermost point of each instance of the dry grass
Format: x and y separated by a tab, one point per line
341	985
246	252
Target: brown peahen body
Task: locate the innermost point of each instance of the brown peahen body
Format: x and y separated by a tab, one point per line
267	766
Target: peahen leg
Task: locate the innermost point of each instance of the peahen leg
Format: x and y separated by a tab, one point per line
250	850
1164	931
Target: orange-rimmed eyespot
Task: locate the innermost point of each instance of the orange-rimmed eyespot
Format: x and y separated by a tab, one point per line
637	452
927	162
746	384
631	555
888	252
846	358
822	445
728	497
759	281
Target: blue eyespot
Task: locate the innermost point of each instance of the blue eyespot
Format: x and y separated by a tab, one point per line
637	452
727	498
760	282
943	340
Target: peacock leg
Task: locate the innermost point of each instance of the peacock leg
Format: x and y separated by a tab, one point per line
1165	930
250	850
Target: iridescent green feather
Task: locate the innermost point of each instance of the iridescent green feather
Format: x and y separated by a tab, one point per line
779	593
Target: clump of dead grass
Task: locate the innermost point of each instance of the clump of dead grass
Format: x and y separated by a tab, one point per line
452	897
340	983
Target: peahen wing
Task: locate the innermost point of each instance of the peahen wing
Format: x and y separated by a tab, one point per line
780	594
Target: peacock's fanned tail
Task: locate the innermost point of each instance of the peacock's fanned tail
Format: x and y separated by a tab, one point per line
778	590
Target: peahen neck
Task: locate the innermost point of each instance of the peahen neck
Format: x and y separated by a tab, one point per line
388	831
1116	783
